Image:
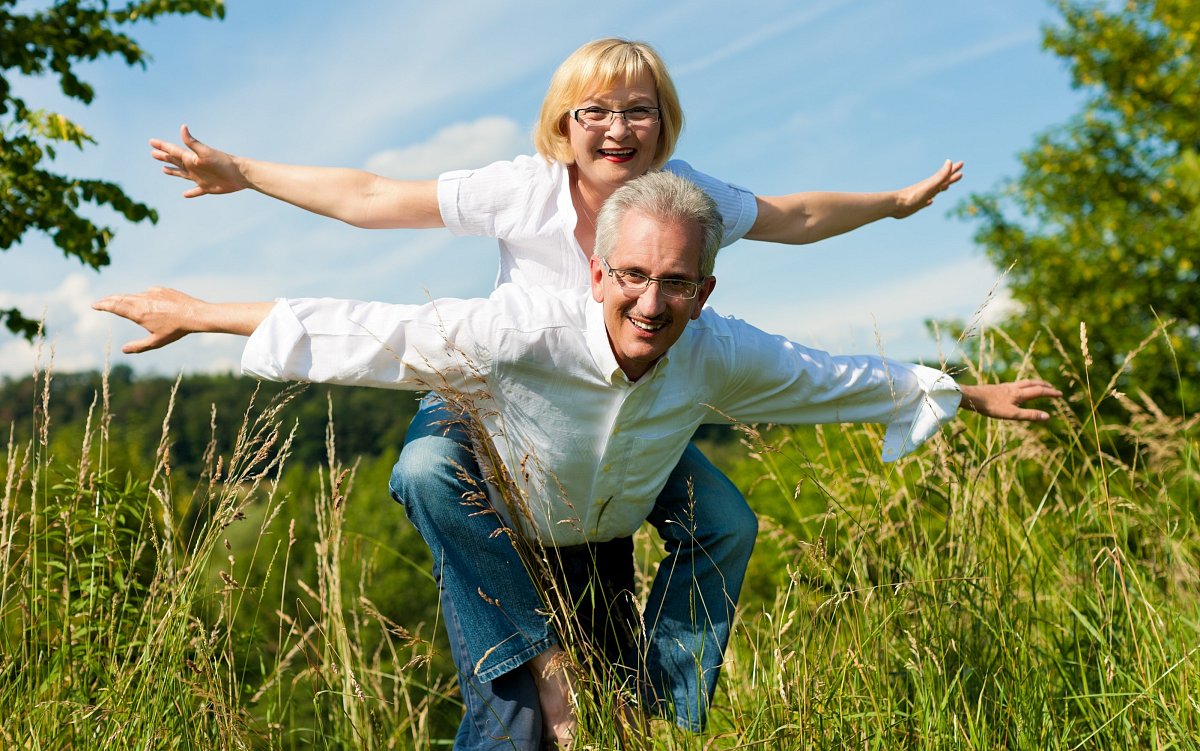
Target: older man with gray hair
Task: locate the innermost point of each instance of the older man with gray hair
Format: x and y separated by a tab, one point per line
586	400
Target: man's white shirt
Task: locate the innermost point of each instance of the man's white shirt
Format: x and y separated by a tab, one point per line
589	449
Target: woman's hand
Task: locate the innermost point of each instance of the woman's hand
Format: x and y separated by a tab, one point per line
917	196
1002	401
213	171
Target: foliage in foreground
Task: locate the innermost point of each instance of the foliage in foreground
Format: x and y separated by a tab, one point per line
1103	223
1006	587
53	39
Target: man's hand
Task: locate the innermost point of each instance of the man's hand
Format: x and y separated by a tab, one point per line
213	171
1002	401
556	694
919	195
168	315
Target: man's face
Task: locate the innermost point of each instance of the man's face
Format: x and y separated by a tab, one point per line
642	326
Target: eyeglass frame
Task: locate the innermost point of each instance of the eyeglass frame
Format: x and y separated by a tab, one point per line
613	113
631	291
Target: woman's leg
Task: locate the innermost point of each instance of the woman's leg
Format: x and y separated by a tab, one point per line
709	532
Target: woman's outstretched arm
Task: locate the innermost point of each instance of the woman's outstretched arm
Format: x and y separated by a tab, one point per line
354	196
800	218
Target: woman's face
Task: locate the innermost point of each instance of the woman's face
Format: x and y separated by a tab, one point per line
608	156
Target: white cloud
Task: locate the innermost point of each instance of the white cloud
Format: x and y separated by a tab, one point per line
457	146
888	315
74	328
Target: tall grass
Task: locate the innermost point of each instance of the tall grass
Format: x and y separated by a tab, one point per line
1009	586
126	623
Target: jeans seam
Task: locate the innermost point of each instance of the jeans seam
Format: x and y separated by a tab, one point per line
515	661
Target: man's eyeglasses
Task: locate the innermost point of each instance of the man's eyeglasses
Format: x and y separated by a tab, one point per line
594	117
634	283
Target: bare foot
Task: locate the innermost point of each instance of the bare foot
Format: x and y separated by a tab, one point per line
552	674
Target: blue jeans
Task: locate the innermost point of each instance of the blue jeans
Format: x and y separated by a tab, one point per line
709	535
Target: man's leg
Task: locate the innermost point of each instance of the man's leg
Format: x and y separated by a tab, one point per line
503	713
592	588
709	533
490	604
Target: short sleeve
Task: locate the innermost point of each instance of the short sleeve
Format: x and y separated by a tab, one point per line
501	200
738	208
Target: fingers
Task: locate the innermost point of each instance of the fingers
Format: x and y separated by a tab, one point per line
1028	390
950	173
1030	415
123	306
112	304
140	345
166	153
193	143
1035	389
155	310
172	157
955	173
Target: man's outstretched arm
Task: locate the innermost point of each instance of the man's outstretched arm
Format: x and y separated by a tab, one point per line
1002	401
168	315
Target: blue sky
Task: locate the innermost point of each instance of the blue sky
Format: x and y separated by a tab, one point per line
778	96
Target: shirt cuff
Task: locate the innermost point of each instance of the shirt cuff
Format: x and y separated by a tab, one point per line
937	404
278	333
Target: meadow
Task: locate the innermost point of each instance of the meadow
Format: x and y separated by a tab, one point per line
1007	586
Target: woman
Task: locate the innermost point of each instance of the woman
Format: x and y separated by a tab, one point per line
611	114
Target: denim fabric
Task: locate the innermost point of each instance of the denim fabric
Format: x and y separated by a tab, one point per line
437	479
709	534
505	713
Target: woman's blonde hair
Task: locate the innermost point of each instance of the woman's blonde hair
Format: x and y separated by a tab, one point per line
597	66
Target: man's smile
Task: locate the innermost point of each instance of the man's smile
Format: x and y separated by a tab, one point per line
648	326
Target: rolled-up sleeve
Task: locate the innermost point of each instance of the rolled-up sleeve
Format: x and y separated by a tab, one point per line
932	403
738	207
348	342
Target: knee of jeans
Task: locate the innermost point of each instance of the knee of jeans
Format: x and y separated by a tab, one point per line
742	524
431	467
726	513
734	529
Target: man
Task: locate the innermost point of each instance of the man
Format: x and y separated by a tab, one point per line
587	401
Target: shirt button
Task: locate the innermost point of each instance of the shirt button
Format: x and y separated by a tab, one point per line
607	467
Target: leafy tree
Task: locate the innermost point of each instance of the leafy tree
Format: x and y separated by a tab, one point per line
1103	225
51	41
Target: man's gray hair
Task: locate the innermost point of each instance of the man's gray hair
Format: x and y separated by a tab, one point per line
665	197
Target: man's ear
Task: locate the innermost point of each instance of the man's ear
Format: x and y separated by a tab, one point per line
597	272
706	288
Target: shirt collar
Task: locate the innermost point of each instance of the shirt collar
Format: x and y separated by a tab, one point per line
601	349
